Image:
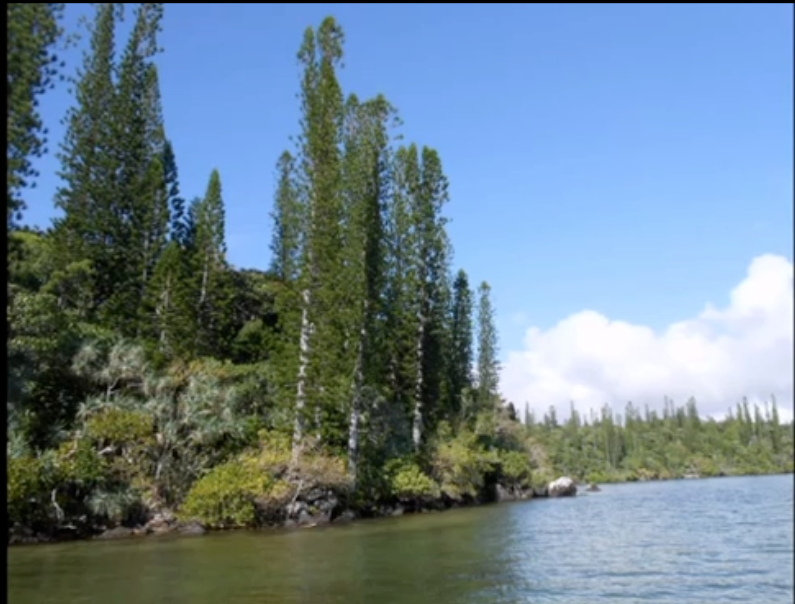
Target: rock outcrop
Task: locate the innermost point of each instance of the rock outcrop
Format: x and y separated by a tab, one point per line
562	487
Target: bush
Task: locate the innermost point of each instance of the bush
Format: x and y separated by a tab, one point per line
460	465
28	490
514	468
224	498
120	426
80	464
408	481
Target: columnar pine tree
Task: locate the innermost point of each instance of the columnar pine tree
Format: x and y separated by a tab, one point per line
320	181
425	187
461	352
212	296
487	366
366	180
32	30
139	211
287	222
88	164
438	255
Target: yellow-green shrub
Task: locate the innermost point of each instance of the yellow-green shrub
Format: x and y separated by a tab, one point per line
79	462
459	466
27	488
225	496
410	482
314	467
514	468
120	426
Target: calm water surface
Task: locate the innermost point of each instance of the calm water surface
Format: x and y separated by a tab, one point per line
692	541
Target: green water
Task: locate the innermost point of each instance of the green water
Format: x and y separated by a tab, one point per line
721	540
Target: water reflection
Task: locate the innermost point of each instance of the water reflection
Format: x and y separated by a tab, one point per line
675	542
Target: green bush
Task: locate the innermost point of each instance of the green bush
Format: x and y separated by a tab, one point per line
80	464
460	466
410	482
514	468
120	426
225	497
28	490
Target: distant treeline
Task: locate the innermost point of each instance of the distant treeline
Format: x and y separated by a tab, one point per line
640	445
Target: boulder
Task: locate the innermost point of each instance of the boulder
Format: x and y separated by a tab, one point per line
119	532
593	488
191	528
562	487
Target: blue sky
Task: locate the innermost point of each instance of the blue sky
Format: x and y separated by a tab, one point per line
629	159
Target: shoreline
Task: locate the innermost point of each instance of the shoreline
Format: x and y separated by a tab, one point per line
344	517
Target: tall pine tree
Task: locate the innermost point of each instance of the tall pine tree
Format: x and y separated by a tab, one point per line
487	366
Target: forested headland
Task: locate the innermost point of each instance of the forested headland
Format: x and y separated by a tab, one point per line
149	377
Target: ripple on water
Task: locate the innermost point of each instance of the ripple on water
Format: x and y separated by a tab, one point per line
717	540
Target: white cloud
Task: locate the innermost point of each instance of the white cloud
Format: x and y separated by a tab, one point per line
745	349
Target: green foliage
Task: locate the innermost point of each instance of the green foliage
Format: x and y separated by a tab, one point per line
32	30
28	490
79	463
409	482
677	444
460	466
225	497
119	426
145	370
514	468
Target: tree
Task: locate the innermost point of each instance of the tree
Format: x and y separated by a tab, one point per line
488	366
212	295
88	164
287	222
367	185
319	182
32	30
461	361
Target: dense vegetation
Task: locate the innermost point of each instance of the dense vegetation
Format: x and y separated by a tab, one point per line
146	373
646	445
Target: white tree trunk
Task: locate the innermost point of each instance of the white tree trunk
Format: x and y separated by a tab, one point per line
416	426
356	406
303	365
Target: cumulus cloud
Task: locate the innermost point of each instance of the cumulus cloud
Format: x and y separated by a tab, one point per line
721	355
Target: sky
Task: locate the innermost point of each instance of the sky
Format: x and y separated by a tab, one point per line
621	175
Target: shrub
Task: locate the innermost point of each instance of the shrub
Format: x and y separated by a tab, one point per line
80	464
408	481
28	490
225	496
514	468
120	426
459	466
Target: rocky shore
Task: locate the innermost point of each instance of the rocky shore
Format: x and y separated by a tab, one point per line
312	508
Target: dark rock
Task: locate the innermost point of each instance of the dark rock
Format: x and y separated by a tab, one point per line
306	519
540	492
503	494
119	532
191	528
593	488
345	517
313	495
23	535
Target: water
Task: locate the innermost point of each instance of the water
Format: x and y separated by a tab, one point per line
691	541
